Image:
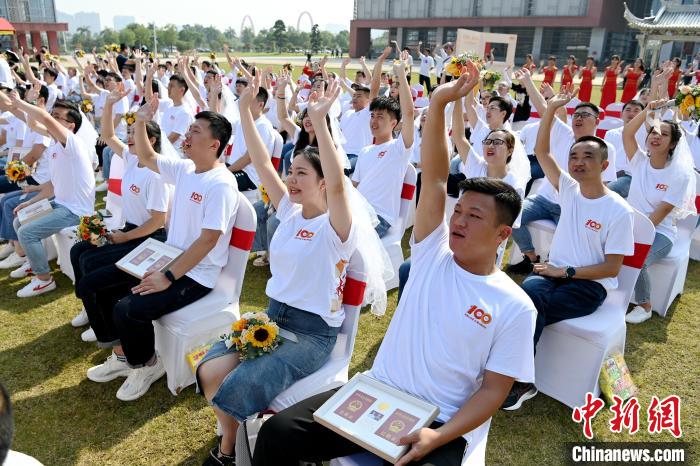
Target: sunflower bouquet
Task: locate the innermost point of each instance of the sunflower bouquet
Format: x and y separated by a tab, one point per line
79	53
688	101
130	118
454	67
254	334
17	171
86	106
489	78
112	48
92	228
212	56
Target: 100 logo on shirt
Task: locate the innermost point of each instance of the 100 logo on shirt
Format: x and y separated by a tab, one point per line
593	225
479	315
134	189
196	197
662	187
305	234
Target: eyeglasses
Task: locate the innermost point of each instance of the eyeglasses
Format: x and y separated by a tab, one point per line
495	142
582	115
58	117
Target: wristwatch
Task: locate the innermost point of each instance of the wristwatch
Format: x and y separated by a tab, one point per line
570	272
169	275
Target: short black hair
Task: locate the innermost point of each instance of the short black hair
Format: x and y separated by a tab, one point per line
504	105
552	57
219	127
51	72
633	102
73	114
180	81
593	107
6	424
508	202
262	96
389	104
44	92
361	73
601	145
206	62
117	77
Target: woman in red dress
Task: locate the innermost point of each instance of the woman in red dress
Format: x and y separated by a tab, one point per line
673	80
567	74
530	64
609	93
632	75
550	71
587	74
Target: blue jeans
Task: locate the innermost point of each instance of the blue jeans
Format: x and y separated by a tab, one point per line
660	248
31	234
287	151
267	225
7	205
454	165
353	161
558	299
7	186
251	386
534	208
382	227
404	270
621	185
106	161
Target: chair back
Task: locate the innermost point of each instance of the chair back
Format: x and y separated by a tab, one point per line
353	296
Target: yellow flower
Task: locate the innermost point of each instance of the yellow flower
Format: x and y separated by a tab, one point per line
239	325
261	336
689	101
697	102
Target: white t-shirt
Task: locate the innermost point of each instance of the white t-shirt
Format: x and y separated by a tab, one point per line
308	263
651	186
356	130
562	138
380	171
426	64
120	108
143	190
206	200
266	132
450	326
177	119
99	102
528	136
588	229
72	176
42	172
614	138
14	131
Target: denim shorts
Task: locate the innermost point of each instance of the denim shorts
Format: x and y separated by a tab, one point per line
252	386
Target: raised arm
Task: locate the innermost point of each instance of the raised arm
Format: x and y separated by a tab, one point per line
286	123
55	129
191	81
629	131
472	116
107	128
338	205
139	73
542	147
435	160
377	74
142	146
343	76
365	68
406	100
257	151
458	138
536	98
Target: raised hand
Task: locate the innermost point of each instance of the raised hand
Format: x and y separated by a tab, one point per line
346	61
320	101
147	111
361	60
31	95
546	90
215	85
523	74
401	64
138	54
460	87
248	95
117	94
566	93
385	54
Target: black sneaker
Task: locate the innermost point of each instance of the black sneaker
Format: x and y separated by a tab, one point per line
520	393
217	459
523	267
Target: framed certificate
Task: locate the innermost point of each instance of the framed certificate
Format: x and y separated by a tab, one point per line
34	211
149	256
375	415
16	153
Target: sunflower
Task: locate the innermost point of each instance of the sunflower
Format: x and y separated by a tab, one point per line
261	336
688	101
697	102
239	325
212	56
130	118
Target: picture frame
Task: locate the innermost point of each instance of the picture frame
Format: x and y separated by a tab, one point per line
149	256
375	416
17	153
34	211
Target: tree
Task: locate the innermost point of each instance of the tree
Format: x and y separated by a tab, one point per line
342	40
279	35
127	36
167	36
315	39
248	39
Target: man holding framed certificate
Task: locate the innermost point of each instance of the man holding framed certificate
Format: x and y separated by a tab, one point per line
201	218
462	333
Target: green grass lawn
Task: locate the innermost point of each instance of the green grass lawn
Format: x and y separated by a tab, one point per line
63	419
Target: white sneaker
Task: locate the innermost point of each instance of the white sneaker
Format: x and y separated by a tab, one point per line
24	270
12	261
98	177
637	315
88	335
102	187
81	319
139	381
5	250
109	370
36	287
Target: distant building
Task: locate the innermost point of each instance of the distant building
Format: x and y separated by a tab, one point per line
36	18
120	22
544	27
82	19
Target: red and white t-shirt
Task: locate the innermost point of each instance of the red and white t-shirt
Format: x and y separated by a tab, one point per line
143	190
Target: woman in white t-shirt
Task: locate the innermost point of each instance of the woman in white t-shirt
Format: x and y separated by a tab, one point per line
308	258
145	200
661	184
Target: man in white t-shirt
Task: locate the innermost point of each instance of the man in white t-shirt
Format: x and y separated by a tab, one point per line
203	212
177	119
427	63
381	167
545	205
614	137
111	81
239	162
592	237
71	185
462	332
355	123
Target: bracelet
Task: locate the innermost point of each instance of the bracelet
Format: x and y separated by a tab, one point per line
169	275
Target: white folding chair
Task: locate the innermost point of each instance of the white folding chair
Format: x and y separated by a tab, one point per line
63	242
277	150
695	242
113	198
542	232
392	240
614	110
180	332
334	373
570	353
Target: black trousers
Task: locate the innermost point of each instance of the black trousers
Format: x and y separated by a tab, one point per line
292	436
244	182
425	82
